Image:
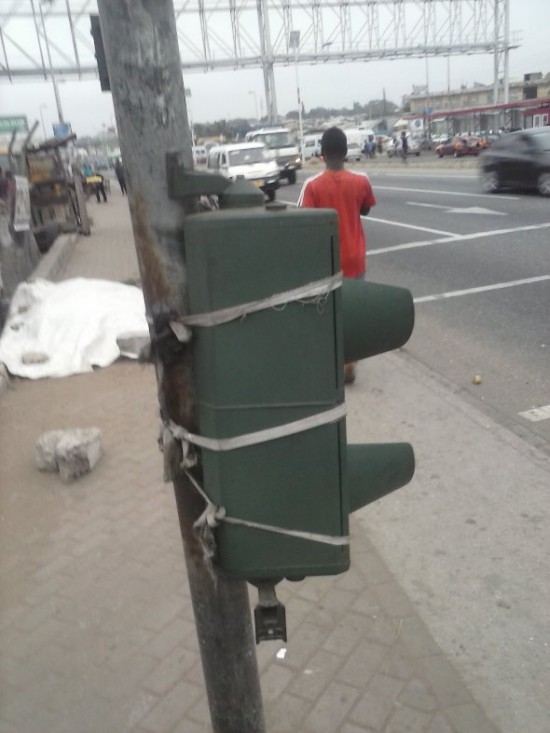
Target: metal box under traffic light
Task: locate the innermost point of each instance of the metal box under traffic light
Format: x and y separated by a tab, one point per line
278	363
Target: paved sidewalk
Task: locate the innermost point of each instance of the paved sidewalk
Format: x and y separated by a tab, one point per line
97	631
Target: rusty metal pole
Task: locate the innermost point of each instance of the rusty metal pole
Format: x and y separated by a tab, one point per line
144	65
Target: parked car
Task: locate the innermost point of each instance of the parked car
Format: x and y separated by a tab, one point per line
459	146
415	146
488	139
393	147
518	160
439	139
253	161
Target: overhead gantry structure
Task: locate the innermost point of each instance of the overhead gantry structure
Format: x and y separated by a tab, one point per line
51	38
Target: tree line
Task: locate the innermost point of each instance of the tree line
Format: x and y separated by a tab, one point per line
375	109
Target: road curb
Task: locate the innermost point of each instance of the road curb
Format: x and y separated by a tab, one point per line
53	262
49	267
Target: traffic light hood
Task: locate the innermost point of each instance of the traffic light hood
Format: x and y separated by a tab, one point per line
376	318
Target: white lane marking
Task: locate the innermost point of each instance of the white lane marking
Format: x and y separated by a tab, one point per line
428	206
458	238
458	209
482	289
410	226
476	210
394	224
423	175
536	414
447	193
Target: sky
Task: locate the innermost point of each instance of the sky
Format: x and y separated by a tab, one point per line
216	96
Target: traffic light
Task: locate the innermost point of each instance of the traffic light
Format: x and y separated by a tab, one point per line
272	325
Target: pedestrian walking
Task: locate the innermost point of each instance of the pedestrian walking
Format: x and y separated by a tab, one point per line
351	195
372	147
404	146
100	188
121	176
369	148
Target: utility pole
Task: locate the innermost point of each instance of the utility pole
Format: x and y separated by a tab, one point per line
294	43
267	62
52	75
144	65
255	105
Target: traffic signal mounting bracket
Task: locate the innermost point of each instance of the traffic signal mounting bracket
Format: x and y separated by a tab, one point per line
102	68
269	614
183	182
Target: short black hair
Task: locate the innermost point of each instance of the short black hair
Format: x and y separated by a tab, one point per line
334	143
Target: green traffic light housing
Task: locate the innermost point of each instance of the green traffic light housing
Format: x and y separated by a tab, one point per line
275	360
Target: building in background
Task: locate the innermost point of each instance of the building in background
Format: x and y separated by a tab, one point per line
472	109
532	86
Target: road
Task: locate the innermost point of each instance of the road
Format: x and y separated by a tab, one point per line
479	270
466	538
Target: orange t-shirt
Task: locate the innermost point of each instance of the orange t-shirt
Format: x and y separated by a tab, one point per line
348	193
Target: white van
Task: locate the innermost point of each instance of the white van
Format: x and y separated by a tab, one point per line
283	145
357	138
253	161
312	146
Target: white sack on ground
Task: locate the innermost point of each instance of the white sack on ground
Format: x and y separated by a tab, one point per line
69	327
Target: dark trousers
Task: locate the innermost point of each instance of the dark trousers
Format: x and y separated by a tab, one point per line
100	191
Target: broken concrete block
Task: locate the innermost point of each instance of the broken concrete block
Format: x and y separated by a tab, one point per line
78	453
71	452
45	450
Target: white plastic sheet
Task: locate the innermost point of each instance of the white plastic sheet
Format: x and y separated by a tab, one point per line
69	327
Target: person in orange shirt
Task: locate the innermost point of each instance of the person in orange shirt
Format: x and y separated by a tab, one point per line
351	195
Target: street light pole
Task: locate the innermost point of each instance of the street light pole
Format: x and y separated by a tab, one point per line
506	51
43	106
255	105
428	105
190	115
294	42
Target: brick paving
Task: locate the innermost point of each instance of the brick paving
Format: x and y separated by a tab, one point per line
97	630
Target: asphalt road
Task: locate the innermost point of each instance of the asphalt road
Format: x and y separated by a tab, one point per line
478	267
466	538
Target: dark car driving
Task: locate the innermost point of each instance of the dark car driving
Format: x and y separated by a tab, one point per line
518	160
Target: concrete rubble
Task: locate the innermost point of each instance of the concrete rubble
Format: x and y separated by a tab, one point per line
72	452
